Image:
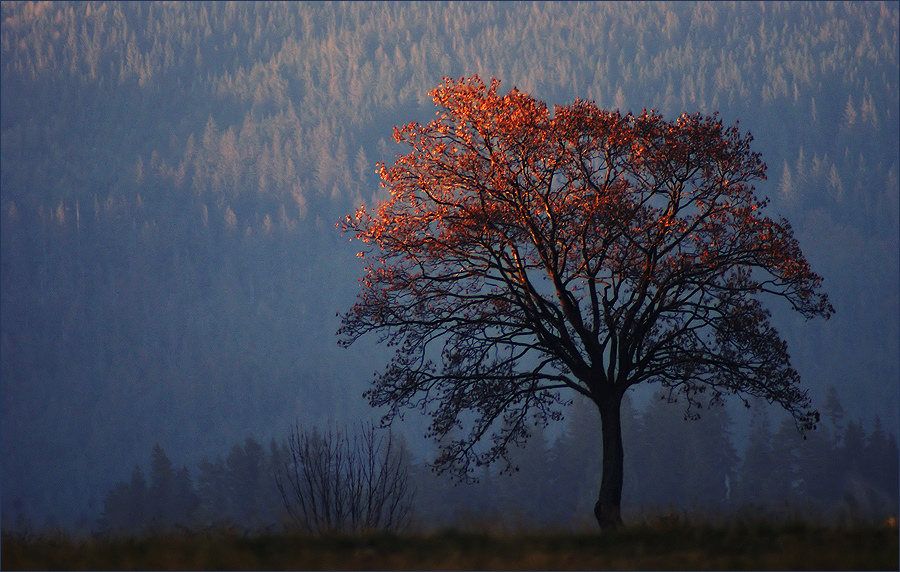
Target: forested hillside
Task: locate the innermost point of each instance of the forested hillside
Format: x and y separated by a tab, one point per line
172	174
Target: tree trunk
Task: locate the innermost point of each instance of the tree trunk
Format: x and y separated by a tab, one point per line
608	507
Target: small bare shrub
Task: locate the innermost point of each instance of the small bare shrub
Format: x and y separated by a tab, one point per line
337	482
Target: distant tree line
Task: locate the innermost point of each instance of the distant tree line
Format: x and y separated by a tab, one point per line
349	479
237	490
841	472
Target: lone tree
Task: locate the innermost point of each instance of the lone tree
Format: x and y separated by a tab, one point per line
523	253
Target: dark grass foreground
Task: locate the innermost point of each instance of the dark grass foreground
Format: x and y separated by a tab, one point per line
758	546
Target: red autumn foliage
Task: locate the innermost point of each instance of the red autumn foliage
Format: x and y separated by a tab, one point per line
524	252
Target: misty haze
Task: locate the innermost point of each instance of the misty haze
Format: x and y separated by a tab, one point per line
174	275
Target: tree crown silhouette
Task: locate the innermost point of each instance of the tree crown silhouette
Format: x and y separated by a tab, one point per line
523	253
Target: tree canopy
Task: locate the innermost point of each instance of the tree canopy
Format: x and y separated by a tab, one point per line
524	252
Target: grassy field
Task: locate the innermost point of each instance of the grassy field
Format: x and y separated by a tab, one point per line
757	546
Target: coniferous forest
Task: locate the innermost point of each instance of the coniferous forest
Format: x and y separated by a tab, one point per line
172	174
